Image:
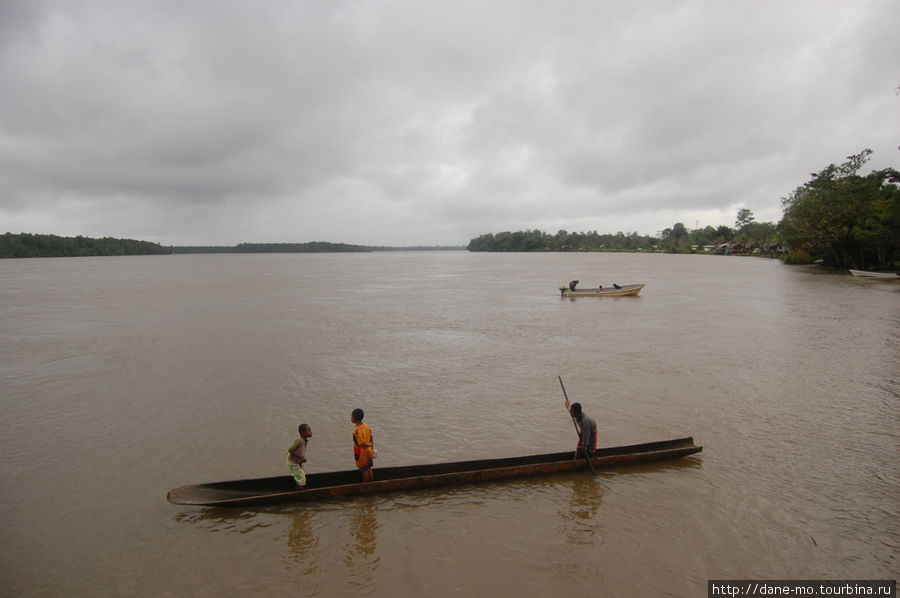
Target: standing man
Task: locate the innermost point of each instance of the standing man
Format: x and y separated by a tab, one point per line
587	430
363	445
297	455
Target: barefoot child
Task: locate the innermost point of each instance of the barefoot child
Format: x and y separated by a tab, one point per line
363	445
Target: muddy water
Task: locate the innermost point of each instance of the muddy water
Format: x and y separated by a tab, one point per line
124	377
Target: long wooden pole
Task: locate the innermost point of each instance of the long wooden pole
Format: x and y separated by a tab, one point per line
577	431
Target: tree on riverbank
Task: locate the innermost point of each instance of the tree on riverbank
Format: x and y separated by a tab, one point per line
844	219
536	240
28	245
678	239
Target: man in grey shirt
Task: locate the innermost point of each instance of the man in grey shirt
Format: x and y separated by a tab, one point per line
587	430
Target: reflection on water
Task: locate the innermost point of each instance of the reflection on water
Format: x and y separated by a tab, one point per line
587	494
361	559
302	545
578	523
215	519
363	525
694	461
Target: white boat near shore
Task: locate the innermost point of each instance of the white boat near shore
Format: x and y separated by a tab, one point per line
615	291
868	274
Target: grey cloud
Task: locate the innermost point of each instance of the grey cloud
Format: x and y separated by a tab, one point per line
418	123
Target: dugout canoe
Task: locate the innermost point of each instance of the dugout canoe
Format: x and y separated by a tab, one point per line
622	291
338	484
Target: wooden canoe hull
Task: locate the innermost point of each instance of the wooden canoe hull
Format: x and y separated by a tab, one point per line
623	291
338	484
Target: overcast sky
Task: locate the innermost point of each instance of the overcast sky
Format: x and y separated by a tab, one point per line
412	122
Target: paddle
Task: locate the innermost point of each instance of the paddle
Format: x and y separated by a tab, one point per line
577	431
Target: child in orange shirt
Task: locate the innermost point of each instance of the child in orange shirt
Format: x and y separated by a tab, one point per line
363	445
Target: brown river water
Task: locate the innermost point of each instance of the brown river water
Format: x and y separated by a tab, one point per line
121	378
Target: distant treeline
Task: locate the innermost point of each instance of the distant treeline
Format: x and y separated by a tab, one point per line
28	245
421	248
313	247
678	239
536	240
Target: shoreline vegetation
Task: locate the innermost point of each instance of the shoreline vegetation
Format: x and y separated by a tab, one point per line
25	245
28	245
311	247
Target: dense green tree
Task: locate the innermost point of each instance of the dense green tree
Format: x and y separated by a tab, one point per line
744	217
29	245
536	240
712	236
724	234
843	218
755	237
760	237
676	239
703	236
